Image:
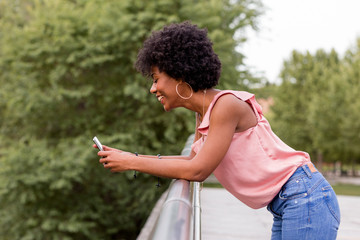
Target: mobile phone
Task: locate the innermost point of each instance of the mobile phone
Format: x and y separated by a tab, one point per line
98	144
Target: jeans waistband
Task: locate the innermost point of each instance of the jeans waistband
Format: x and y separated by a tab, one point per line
310	166
308	169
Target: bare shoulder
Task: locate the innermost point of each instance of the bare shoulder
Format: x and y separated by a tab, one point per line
230	108
229	104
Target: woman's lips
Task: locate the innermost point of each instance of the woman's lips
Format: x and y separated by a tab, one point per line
160	98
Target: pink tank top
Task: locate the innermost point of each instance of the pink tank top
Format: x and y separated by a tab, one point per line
257	163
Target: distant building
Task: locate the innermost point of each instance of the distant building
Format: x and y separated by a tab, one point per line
266	103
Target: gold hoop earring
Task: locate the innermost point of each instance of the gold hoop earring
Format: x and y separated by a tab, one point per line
177	91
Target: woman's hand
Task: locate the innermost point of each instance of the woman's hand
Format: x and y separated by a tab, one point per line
106	148
115	160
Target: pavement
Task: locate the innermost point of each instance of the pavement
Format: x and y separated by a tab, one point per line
345	180
225	217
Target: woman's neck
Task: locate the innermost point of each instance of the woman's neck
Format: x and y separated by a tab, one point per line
200	101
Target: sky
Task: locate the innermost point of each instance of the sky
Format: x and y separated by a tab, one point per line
302	25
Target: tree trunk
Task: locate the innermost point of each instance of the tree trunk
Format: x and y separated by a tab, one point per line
353	167
319	160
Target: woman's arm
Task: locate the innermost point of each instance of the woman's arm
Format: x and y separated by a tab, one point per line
167	157
106	148
228	115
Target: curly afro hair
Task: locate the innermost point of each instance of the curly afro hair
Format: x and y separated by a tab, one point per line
184	52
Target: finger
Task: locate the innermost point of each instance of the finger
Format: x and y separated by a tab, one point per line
103	160
106	148
103	153
94	146
104	163
107	165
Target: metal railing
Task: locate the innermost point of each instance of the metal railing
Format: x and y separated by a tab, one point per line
196	211
180	215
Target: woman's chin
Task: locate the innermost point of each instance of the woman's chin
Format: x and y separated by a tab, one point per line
167	108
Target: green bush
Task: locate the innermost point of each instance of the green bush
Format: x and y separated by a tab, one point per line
66	74
62	193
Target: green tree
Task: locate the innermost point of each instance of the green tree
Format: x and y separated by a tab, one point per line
325	111
66	74
316	106
304	103
350	126
291	101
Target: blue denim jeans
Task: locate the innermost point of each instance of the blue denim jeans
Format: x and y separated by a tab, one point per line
305	208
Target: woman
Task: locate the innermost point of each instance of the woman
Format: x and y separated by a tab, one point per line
233	140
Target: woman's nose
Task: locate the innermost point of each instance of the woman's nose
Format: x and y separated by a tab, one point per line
153	88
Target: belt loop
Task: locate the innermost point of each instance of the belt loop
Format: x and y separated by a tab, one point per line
306	170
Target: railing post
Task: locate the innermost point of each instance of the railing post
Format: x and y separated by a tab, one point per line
196	211
196	188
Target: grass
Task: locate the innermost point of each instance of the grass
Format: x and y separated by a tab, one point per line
212	185
346	189
339	188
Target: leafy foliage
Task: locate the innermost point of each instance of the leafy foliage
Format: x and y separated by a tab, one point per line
66	74
316	107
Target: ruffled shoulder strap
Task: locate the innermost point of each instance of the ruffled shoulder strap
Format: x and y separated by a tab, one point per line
242	95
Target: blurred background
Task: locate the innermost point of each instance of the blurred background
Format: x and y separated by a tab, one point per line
66	75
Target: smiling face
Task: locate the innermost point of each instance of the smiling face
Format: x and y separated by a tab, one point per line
164	88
